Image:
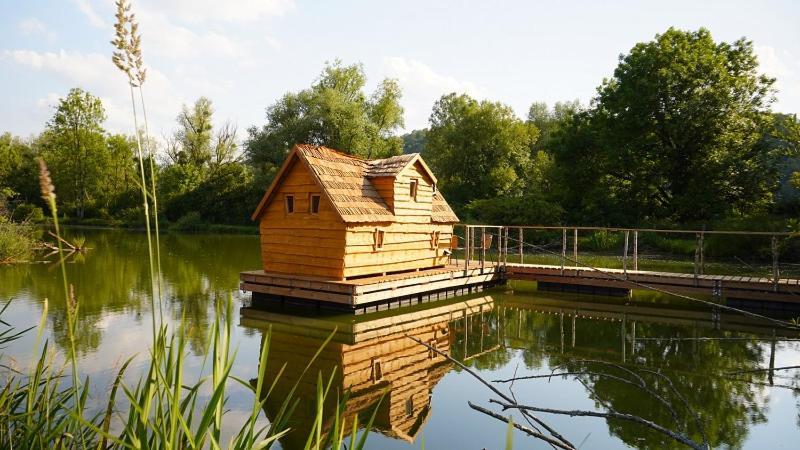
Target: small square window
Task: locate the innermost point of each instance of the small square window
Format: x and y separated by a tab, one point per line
289	204
412	190
314	204
378	239
434	240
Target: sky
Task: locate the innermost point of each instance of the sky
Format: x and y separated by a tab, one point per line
245	54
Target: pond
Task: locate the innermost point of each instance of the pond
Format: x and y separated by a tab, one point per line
500	333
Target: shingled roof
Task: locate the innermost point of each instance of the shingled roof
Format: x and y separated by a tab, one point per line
345	180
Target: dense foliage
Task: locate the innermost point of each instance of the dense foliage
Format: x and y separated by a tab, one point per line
334	112
682	133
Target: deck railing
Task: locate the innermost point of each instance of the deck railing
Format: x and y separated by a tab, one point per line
498	245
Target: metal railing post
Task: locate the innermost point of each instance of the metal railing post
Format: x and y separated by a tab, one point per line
563	248
636	250
575	245
776	274
702	253
696	258
521	248
467	245
625	255
483	248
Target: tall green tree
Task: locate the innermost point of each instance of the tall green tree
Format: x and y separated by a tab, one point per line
478	149
336	112
548	121
74	148
18	171
675	132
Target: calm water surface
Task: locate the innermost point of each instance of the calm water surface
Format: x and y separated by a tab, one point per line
500	333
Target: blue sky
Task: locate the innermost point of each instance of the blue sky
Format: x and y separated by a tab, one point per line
244	54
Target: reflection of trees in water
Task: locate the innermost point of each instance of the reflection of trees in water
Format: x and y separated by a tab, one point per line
727	405
114	278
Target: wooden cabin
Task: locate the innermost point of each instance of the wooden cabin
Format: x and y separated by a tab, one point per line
332	215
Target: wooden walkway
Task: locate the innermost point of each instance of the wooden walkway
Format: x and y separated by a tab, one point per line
581	279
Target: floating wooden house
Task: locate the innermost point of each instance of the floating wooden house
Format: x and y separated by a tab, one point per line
335	216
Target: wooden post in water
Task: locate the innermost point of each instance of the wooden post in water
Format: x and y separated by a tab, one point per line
635	249
776	274
575	246
563	248
625	255
521	248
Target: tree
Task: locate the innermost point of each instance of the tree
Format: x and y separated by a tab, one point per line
74	148
18	171
194	142
334	112
414	141
675	133
548	121
478	149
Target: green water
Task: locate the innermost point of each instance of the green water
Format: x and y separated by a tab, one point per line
507	330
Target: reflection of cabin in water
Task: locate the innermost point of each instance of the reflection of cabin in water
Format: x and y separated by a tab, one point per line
335	216
372	358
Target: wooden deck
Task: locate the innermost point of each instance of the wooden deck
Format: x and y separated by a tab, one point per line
402	289
371	293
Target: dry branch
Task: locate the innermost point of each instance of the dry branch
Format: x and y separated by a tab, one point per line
609	415
522	428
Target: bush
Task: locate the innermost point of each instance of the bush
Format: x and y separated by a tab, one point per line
531	209
602	240
192	221
28	212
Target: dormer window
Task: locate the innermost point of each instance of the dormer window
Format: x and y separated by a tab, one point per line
313	204
412	189
289	204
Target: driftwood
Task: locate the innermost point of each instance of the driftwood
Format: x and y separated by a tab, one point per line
528	431
611	414
763	369
541	423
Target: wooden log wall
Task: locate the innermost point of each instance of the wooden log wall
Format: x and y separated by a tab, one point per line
301	242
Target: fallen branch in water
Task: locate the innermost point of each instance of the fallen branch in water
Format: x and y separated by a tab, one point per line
763	369
611	414
522	428
645	388
508	399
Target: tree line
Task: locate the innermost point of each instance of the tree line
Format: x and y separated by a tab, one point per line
681	133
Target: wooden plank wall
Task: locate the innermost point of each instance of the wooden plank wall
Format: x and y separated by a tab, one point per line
407	242
301	242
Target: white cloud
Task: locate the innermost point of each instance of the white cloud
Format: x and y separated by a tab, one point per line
88	10
96	73
785	67
228	10
165	38
422	86
35	27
